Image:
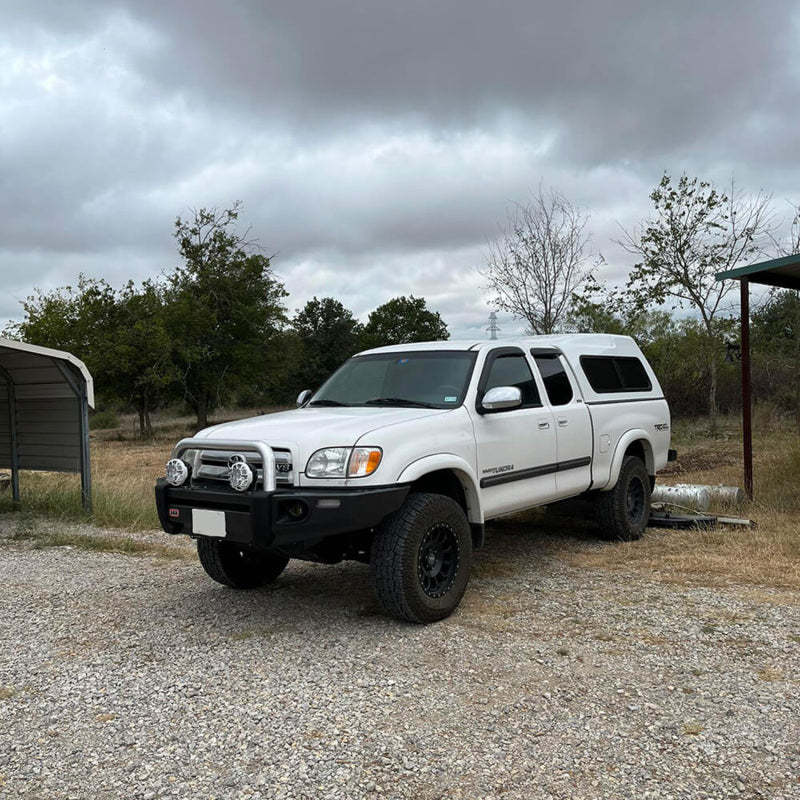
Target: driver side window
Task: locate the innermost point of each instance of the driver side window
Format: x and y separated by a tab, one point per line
511	369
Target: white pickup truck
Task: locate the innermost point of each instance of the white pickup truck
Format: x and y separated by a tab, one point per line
404	454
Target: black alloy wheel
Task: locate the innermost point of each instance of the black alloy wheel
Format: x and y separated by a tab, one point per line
437	564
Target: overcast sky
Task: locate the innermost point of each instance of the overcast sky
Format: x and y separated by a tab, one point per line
375	145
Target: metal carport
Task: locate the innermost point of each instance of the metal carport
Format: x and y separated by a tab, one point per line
45	397
785	274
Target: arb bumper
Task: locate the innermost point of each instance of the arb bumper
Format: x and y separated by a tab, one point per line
273	519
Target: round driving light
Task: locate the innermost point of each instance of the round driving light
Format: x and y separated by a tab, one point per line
240	476
177	472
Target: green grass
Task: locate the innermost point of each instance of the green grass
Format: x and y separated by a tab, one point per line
59	497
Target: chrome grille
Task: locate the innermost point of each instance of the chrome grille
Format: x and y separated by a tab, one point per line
211	468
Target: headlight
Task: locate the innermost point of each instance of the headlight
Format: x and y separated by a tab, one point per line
342	462
328	463
177	472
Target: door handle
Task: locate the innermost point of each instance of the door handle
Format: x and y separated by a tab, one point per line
562	422
543	424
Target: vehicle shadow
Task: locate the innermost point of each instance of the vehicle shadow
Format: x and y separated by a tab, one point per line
522	547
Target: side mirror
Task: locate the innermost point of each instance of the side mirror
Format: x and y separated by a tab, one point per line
303	397
501	398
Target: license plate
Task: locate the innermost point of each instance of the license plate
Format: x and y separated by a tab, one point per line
208	523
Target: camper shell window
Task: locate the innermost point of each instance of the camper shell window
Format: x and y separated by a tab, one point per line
608	374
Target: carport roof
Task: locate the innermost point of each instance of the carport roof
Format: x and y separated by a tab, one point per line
783	272
36	369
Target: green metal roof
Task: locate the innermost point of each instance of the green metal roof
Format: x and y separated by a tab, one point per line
783	272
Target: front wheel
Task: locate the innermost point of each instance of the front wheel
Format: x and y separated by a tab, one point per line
623	512
239	567
421	559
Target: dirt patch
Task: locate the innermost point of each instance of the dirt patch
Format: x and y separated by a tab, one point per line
704	458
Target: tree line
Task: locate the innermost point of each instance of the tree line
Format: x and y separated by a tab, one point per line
540	269
214	330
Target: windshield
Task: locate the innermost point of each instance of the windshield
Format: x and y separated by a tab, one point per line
428	379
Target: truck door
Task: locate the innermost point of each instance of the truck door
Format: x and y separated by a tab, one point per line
573	425
516	448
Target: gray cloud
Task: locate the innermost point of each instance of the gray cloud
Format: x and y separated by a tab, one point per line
375	147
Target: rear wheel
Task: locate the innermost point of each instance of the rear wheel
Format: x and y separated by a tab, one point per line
623	512
239	567
421	558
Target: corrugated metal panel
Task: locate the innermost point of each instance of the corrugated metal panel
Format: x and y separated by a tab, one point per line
50	463
48	394
5	427
16	356
45	391
63	462
48	413
33	374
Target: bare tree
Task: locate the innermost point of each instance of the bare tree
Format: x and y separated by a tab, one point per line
697	232
539	260
789	245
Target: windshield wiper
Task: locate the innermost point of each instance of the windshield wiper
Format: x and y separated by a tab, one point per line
398	401
327	403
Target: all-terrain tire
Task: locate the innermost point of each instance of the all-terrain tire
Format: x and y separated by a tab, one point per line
623	512
239	567
421	559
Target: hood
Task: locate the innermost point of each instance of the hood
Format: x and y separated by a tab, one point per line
305	430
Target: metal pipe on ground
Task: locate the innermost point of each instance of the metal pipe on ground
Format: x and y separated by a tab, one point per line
698	496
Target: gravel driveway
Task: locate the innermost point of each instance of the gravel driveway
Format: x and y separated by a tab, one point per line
138	677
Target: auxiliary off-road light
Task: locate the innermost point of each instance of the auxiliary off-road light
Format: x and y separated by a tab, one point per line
240	476
177	472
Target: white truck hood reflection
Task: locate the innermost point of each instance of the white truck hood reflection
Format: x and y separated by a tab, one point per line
309	429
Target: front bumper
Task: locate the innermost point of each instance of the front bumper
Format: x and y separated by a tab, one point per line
264	519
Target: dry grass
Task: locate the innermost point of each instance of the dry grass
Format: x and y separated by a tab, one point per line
768	554
125	471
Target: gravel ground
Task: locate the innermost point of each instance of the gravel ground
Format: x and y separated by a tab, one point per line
139	677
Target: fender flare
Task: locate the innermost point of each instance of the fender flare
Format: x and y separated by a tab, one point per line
461	468
628	438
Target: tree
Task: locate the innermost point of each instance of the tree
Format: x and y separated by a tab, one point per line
539	261
789	245
78	320
776	340
141	368
120	336
696	232
329	334
403	320
226	311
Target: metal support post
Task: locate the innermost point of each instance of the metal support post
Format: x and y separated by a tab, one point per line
12	425
79	390
86	466
747	429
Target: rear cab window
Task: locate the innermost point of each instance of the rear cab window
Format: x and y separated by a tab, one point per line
557	384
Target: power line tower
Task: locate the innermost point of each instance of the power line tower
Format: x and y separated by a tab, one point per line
493	329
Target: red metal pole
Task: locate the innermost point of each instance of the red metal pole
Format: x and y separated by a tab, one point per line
747	429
